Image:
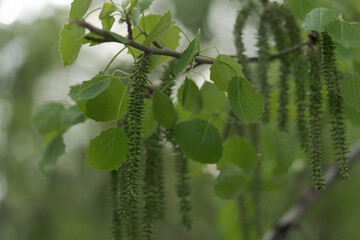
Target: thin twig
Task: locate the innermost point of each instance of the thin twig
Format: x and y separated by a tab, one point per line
293	216
167	52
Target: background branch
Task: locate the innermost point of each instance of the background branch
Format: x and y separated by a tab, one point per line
293	216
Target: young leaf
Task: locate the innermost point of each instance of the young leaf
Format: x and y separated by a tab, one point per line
317	19
107	23
53	151
244	101
231	182
93	90
350	91
118	37
239	152
188	55
223	70
344	33
71	116
199	140
190	97
46	118
163	109
79	8
144	5
70	43
107	9
160	29
109	105
213	99
108	150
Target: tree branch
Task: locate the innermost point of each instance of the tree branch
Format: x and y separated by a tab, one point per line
167	52
293	216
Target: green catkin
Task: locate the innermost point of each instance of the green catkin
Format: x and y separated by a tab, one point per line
315	103
117	223
152	176
280	36
181	162
335	103
299	70
263	64
241	19
133	163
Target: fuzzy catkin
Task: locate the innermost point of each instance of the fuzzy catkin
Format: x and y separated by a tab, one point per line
335	104
152	177
134	129
281	42
263	64
299	70
181	162
315	113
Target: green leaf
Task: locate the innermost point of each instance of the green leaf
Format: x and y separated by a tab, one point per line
135	16
231	182
213	99
149	123
199	140
170	39
133	4
163	109
109	105
223	70
53	151
107	9
244	101
46	118
350	91
239	152
74	90
70	43
108	150
193	101
107	23
92	38
344	33
352	115
317	19
79	8
93	90
188	55
144	5
300	8
160	28
71	116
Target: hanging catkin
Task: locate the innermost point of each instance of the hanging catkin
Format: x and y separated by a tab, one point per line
281	42
153	173
181	162
133	163
263	63
315	102
335	103
299	70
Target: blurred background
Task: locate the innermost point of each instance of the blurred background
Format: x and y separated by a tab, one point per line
74	202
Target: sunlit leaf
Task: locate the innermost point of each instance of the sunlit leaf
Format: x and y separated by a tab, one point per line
159	29
79	8
70	43
107	9
223	70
